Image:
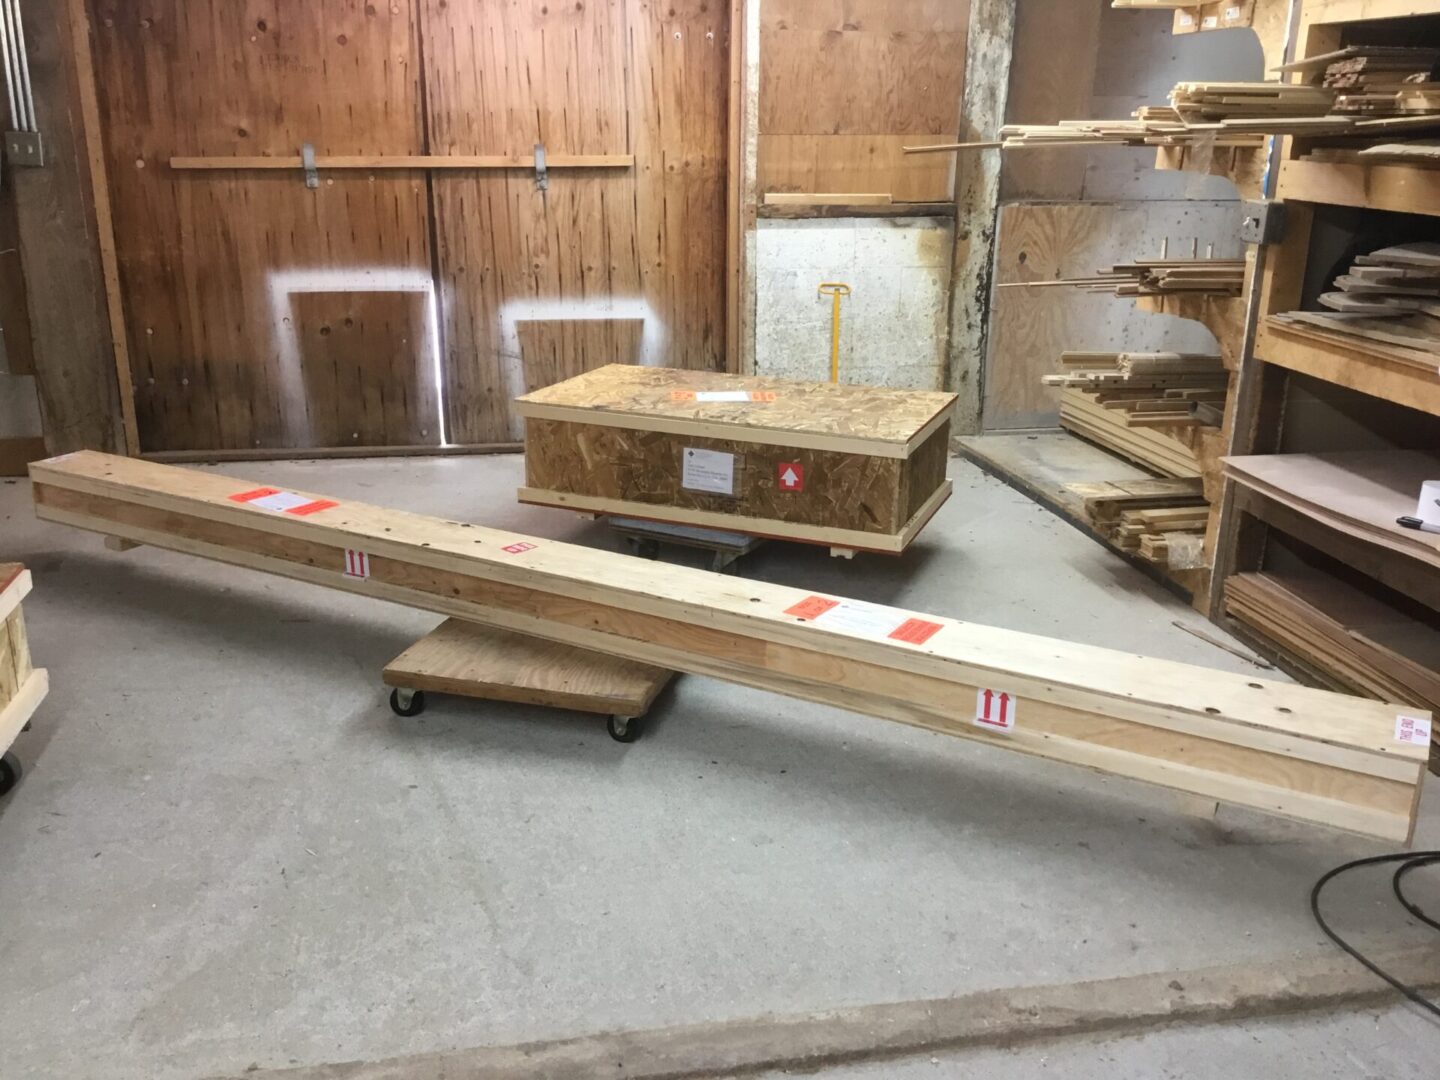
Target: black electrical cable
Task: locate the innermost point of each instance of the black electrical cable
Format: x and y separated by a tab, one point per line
1410	860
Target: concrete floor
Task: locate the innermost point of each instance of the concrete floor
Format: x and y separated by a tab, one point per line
228	852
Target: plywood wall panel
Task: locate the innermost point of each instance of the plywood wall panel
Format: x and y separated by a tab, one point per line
845	84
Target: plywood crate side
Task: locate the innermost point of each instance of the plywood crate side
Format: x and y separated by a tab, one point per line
841	490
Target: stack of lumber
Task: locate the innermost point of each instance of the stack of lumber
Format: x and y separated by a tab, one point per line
1161	450
1148	390
1155	277
1313	755
1366	645
1359	493
1388	301
1381	80
1213	102
1150	126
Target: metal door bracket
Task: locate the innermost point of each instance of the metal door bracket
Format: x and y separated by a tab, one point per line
307	162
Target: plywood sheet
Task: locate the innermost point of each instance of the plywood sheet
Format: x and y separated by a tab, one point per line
893	418
1360	493
864	163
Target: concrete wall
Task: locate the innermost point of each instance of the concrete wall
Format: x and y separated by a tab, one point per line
892	324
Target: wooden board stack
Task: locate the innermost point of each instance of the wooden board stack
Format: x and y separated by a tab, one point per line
1151	125
1155	277
1382	80
1365	645
1389	300
1211	103
1147	407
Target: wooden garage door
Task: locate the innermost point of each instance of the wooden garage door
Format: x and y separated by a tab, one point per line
404	307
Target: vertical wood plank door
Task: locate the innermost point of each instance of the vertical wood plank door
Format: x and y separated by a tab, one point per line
393	308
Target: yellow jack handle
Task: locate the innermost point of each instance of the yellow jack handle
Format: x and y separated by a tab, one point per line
835	290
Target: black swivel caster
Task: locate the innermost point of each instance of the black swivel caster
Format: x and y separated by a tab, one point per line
10	773
407	702
623	728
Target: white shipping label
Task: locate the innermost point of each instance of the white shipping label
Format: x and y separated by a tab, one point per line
1412	730
722	395
357	564
865	620
281	502
708	470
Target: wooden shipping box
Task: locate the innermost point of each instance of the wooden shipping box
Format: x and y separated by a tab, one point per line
853	467
22	685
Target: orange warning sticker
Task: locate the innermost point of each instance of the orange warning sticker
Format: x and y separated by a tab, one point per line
722	395
812	607
916	631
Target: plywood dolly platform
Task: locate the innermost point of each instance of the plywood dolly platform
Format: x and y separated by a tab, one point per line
474	661
22	686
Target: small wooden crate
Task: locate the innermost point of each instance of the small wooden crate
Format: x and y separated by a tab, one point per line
851	467
22	685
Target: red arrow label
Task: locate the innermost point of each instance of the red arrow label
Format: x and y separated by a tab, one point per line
995	710
790	476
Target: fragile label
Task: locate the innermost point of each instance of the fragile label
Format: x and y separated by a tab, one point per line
357	564
1412	731
282	502
722	395
865	620
708	470
994	709
518	549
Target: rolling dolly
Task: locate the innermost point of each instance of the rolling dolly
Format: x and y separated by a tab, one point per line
645	537
468	660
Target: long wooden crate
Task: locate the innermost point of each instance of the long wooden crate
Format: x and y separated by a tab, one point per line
22	685
1290	750
856	467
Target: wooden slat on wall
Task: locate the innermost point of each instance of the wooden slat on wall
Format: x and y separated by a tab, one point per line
845	84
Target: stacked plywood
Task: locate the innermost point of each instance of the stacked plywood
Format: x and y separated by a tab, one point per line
1362	642
1359	493
1388	301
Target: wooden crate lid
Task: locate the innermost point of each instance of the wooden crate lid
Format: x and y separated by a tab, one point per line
821	416
9	574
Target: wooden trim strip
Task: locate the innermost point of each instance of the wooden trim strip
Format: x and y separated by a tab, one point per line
769	528
408	161
93	138
1283	749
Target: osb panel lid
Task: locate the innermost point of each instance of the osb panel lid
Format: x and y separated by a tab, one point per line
671	399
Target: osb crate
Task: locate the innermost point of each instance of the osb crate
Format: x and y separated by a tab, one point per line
851	467
22	686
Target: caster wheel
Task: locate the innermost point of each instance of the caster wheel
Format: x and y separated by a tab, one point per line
10	773
407	702
623	728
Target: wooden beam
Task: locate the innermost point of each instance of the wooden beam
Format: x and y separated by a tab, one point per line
1283	749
